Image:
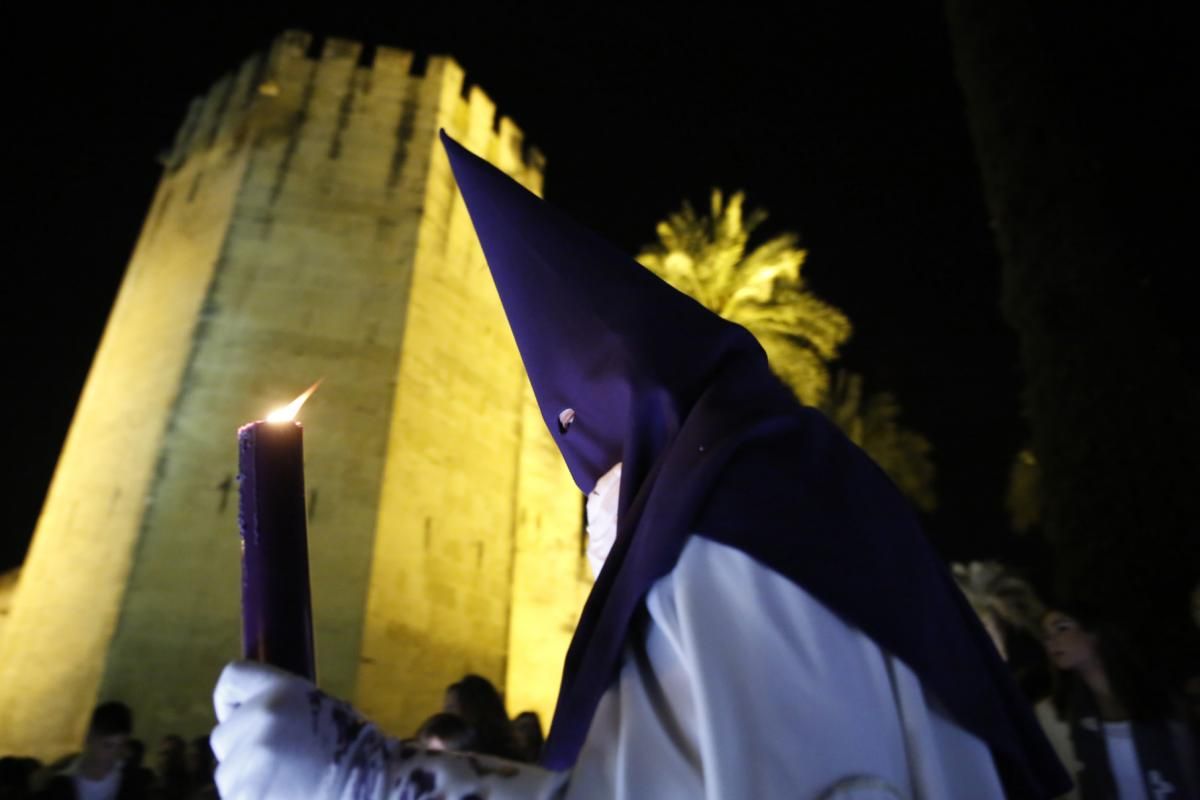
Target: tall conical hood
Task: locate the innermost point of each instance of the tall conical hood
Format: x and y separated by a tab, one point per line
616	356
713	445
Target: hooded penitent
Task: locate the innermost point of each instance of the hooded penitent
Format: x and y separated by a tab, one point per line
627	369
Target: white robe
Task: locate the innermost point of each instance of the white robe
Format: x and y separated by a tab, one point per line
743	685
736	684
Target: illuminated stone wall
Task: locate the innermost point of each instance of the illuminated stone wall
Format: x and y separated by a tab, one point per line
306	226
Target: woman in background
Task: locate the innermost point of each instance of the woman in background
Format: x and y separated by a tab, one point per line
477	702
1125	729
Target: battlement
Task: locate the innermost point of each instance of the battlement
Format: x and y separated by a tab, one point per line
337	83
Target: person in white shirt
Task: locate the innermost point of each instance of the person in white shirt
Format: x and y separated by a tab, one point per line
97	773
1129	741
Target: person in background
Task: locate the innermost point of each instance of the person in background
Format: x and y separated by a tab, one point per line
98	773
1126	730
16	773
1011	613
527	727
140	778
444	731
200	767
480	706
171	766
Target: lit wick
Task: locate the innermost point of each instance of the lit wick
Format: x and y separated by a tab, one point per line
276	604
288	413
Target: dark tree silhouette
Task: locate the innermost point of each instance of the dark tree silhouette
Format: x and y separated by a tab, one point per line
1079	116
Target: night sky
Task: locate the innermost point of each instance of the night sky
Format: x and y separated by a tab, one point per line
846	125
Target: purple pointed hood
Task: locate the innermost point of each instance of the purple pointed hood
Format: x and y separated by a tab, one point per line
604	340
714	445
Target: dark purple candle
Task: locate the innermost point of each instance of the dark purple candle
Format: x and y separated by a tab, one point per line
276	607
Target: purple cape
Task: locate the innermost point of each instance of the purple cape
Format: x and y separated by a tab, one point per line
714	445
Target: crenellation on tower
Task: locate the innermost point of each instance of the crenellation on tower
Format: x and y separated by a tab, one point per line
256	68
481	117
404	131
392	67
218	116
291	46
208	119
233	130
445	75
334	91
337	49
290	114
535	168
176	154
223	96
510	141
275	95
354	94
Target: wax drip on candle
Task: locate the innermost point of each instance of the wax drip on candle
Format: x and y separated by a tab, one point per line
288	412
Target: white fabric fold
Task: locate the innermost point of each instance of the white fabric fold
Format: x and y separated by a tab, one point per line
602	518
741	684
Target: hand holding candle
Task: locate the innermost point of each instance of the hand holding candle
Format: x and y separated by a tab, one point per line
276	606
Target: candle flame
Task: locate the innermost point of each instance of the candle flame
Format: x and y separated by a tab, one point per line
288	412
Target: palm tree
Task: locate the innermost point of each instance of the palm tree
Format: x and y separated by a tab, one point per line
762	289
1004	601
1024	500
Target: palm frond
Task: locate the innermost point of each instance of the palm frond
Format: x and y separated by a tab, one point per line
762	288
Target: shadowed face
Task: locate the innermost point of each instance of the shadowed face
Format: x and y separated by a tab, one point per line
104	752
170	755
1069	646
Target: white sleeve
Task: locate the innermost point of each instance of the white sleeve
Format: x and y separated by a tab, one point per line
280	738
392	770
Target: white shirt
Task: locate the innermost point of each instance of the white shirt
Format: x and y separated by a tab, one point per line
1059	735
1123	761
105	788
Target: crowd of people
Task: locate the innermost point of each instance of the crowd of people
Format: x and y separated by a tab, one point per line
473	720
111	765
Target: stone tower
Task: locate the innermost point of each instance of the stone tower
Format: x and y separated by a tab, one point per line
306	226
